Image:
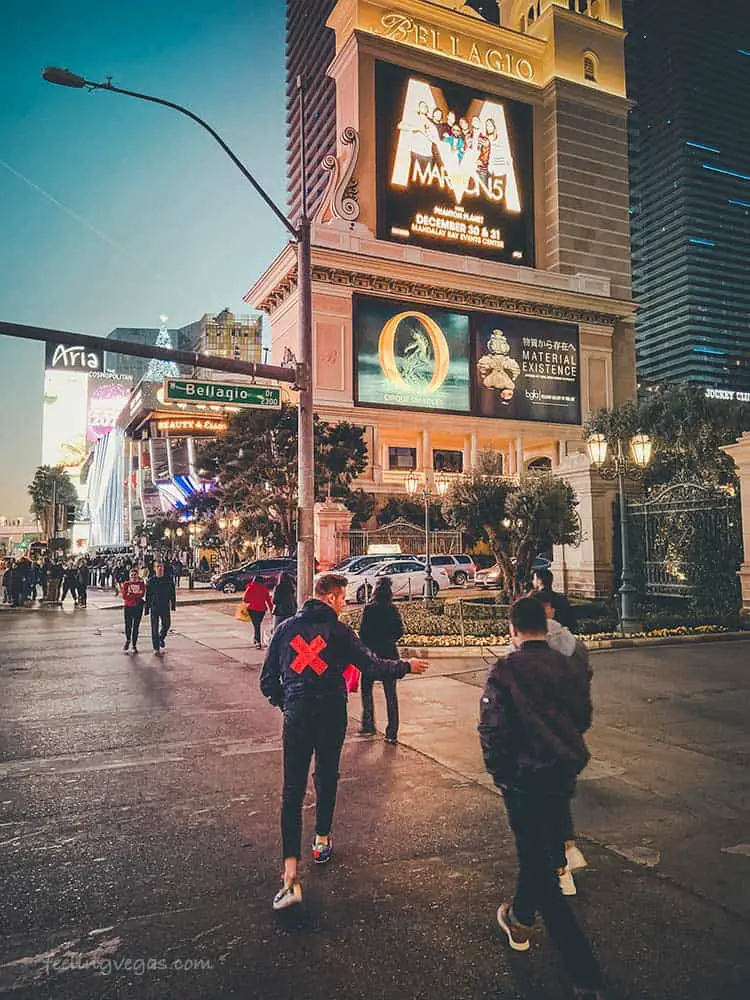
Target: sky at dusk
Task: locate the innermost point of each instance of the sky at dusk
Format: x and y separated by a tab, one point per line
115	211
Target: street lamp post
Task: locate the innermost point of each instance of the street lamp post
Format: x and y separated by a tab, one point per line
302	234
629	459
414	488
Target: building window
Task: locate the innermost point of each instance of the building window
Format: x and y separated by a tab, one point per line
531	14
589	67
402	458
543	464
447	461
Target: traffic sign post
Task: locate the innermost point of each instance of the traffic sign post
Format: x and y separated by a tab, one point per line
261	397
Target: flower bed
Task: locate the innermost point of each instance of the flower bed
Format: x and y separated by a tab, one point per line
501	639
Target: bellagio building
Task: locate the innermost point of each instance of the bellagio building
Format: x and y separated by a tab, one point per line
471	278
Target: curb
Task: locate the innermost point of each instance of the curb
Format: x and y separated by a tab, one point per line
469	652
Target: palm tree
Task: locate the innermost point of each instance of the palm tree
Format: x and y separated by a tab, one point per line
51	487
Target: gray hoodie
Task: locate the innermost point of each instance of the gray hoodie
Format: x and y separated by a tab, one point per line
563	641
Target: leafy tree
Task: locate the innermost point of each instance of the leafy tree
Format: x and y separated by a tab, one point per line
362	505
256	464
51	484
516	519
687	429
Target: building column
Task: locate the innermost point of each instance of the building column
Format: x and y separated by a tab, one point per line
519	456
377	455
586	570
473	451
427	457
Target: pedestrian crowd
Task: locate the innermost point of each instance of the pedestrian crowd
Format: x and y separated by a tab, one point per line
52	580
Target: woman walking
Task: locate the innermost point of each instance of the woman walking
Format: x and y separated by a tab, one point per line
257	597
284	600
380	630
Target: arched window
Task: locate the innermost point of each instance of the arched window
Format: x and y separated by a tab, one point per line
590	67
543	464
530	15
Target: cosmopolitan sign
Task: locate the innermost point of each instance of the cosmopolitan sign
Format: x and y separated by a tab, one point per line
73	358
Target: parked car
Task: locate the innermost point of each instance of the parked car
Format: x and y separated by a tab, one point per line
355	564
460	568
406	575
234	580
492	577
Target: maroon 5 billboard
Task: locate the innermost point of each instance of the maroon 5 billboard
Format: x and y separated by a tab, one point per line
454	168
418	357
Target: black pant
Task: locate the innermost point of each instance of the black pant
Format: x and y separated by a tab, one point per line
391	701
256	617
161	622
82	595
68	588
310	728
537	820
133	623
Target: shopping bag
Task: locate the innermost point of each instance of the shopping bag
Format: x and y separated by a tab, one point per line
351	678
242	614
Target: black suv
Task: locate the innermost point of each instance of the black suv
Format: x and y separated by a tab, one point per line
270	569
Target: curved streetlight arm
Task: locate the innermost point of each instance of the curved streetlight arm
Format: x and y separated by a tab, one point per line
65	78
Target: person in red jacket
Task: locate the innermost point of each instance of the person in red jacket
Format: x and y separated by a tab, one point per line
133	592
257	597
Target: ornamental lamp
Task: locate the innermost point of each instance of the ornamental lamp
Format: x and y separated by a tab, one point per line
441	484
641	447
412	484
597	449
179	532
222	523
167	532
235	522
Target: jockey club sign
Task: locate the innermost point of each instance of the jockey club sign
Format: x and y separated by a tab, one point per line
60	357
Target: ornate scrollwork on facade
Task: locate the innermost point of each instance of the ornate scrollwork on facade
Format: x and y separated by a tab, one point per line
342	197
401	288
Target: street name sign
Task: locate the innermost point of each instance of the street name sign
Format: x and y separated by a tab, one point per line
262	397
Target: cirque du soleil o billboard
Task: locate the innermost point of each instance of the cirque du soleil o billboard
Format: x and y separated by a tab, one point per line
413	356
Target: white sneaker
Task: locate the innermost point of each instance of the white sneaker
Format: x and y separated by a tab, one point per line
567	885
575	858
288	895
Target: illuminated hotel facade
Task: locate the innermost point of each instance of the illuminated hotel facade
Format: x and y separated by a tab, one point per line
471	257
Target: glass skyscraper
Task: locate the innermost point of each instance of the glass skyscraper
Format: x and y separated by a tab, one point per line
688	68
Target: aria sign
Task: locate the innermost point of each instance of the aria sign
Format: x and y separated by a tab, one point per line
73	358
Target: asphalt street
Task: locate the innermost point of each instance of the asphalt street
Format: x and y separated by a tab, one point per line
139	836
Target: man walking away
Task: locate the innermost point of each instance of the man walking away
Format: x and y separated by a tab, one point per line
541	582
257	597
55	580
160	599
69	584
133	593
284	600
532	714
380	630
303	675
82	582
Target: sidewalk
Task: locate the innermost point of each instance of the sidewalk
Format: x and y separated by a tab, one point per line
637	797
105	599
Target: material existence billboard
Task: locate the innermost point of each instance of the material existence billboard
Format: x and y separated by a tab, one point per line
454	167
413	356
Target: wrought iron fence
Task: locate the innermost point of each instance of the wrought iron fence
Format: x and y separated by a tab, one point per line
665	527
408	537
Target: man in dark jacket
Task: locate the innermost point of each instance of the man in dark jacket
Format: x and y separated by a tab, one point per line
303	674
160	600
532	714
541	581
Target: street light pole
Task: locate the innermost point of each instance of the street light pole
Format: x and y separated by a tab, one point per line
413	489
301	233
620	467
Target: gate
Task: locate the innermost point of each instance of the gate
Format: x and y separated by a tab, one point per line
668	528
407	536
